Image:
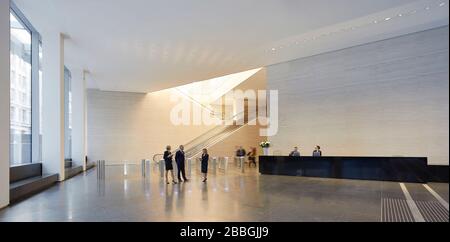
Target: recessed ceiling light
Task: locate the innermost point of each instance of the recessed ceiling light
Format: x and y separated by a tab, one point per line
442	5
400	15
375	22
387	19
427	8
273	49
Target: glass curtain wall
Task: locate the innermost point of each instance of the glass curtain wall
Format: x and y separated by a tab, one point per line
25	78
20	59
40	102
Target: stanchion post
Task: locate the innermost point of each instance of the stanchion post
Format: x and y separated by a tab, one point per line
198	163
104	169
143	167
161	168
241	162
189	166
98	169
148	170
214	165
225	168
125	169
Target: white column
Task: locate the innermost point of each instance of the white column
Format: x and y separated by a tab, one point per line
53	104
4	102
79	118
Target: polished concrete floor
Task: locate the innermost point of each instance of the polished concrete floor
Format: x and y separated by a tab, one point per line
225	197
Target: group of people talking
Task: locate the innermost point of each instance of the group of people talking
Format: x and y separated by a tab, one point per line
180	159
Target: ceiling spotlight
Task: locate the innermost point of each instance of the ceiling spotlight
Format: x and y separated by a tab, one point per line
442	5
387	19
375	22
427	8
400	15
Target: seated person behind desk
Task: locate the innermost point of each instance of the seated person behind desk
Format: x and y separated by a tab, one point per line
317	152
295	152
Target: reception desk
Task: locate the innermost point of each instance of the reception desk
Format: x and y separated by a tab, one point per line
399	169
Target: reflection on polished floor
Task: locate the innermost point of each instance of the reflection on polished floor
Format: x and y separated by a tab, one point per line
225	197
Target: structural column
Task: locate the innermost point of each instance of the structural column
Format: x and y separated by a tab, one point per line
53	104
79	118
4	102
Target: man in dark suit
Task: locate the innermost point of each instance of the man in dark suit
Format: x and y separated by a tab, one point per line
180	158
240	152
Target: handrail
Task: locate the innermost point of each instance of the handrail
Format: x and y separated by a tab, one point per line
217	139
221	130
216	128
199	103
154	156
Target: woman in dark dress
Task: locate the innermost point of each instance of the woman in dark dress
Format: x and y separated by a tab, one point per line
168	162
205	158
252	156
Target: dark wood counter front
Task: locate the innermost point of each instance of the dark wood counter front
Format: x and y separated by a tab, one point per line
399	169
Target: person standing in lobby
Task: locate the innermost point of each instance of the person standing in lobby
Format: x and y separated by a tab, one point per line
252	156
168	162
317	152
240	154
205	159
180	159
295	152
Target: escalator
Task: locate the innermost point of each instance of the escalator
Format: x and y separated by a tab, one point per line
215	135
200	94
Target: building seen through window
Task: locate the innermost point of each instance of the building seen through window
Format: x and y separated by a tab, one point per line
20	59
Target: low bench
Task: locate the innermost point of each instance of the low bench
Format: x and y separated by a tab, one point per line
73	171
27	180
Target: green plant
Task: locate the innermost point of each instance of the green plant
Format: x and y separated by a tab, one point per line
265	144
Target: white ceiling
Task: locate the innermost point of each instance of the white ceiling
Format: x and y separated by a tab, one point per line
148	45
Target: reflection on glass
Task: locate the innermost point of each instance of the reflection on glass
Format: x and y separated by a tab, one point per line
40	101
68	113
20	59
